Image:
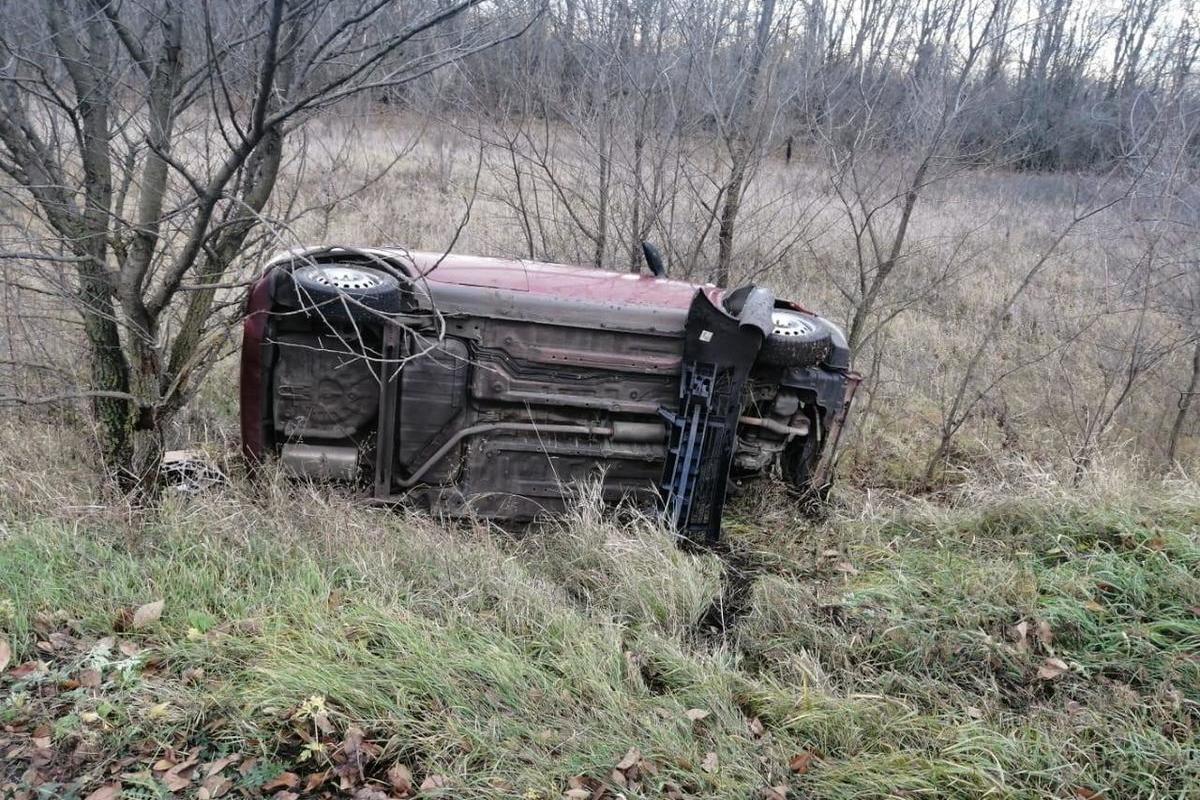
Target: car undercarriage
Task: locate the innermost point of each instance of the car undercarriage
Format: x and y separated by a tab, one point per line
488	388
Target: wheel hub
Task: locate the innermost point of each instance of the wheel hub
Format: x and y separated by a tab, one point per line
789	323
344	278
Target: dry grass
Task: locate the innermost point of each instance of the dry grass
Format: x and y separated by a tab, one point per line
898	644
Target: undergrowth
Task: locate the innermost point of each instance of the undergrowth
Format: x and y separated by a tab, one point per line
1033	647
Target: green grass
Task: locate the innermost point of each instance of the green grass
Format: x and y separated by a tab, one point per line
888	646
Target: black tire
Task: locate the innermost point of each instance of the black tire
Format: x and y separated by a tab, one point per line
345	289
796	340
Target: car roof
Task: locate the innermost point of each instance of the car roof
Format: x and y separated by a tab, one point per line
556	280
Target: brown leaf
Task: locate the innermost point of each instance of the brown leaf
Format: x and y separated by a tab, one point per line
773	792
1045	635
974	713
285	795
321	720
632	757
215	786
756	727
175	782
435	782
1084	793
709	763
110	792
577	794
26	669
147	614
315	781
695	714
1020	634
801	763
5	653
400	778
213	768
89	678
673	792
370	793
1052	668
284	780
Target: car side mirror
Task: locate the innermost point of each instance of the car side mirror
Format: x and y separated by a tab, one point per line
654	260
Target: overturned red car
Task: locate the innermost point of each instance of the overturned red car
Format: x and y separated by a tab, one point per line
490	387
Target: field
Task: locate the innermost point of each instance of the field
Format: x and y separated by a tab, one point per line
1017	628
275	639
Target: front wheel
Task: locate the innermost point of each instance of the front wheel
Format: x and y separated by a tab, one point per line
796	340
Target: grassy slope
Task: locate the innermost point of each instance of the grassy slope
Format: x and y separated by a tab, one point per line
890	650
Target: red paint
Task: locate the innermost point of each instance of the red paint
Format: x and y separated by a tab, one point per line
556	280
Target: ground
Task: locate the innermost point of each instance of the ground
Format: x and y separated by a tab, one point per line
271	638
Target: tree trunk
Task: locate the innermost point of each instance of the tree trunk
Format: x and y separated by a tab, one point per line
744	145
1185	404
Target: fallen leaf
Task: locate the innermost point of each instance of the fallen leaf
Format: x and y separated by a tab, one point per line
1084	793
214	786
709	763
435	782
756	727
695	714
400	778
315	781
1020	634
974	713
285	795
1093	606
321	720
773	792
801	763
110	792
213	767
577	794
28	668
284	780
147	614
1045	635
5	653
175	782
1194	609
89	678
632	757
846	568
370	793
1052	668
673	792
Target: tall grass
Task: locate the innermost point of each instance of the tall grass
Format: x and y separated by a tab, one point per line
897	648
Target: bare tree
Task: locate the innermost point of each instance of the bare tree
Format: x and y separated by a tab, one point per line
148	140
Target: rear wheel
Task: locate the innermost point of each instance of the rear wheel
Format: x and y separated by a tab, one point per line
347	287
796	340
